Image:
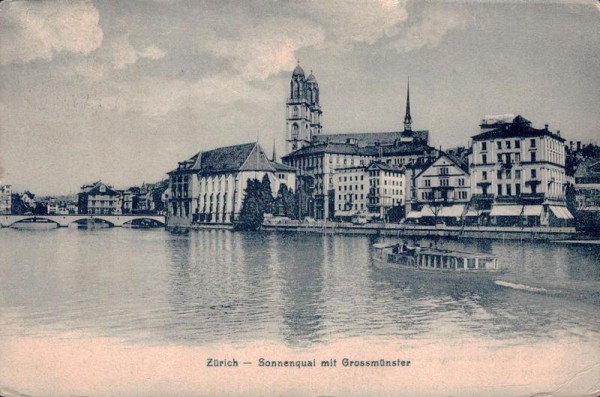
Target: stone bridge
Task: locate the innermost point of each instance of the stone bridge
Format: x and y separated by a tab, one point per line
66	220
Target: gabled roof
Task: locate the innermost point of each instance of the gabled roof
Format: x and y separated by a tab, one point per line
245	157
520	127
95	190
457	161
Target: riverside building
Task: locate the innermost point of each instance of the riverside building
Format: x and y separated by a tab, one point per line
518	173
209	187
443	191
99	199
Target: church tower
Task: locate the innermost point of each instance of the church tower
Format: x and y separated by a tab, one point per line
407	117
303	113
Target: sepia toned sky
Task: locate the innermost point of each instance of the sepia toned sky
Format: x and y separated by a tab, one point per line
123	90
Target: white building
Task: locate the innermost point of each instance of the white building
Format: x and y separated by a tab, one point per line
443	189
209	187
351	188
99	199
386	188
518	172
5	199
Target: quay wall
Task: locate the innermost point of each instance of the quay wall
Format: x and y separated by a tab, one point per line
400	230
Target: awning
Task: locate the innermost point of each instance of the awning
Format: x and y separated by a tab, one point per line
472	213
506	210
413	215
454	211
561	212
533	210
427	211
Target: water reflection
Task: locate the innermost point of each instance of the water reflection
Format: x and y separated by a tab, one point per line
301	285
300	289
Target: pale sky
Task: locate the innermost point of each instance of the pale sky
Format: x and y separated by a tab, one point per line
123	90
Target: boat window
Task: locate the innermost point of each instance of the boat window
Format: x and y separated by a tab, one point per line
471	263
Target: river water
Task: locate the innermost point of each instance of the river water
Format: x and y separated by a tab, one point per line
298	291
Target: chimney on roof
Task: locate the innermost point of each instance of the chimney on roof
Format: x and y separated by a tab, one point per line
571	145
578	145
546	127
558	132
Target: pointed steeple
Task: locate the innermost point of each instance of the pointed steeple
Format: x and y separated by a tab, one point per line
407	118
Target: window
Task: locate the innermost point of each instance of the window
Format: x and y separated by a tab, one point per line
517	144
484	175
518	189
508	144
532	143
508	190
533	157
533	174
444	182
499	158
499	145
508	174
499	190
517	174
427	183
461	182
517	156
499	175
444	171
483	146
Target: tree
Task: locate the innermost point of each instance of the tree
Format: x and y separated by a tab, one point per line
395	214
266	194
17	206
253	209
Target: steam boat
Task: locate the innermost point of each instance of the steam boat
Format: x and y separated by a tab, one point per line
434	259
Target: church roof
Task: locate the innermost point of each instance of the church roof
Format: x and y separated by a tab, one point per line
371	138
351	149
245	157
311	78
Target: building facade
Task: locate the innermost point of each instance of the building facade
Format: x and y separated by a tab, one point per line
99	199
443	191
587	186
209	187
387	185
351	190
5	199
518	172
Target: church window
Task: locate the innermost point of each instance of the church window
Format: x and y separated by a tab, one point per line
295	130
295	111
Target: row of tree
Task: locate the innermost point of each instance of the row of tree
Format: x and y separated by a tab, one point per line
259	200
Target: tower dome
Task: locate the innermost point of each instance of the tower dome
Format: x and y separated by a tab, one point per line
311	78
298	71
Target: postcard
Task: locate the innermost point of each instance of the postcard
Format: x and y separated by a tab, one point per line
311	198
